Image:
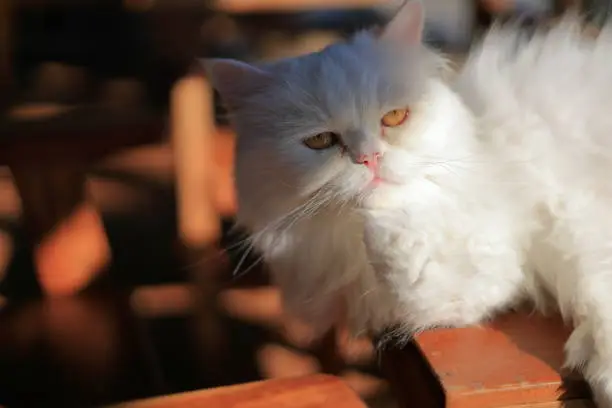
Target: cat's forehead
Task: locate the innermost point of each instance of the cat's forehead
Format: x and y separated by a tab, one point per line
351	59
357	71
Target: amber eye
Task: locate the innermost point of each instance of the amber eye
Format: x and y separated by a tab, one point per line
321	141
394	118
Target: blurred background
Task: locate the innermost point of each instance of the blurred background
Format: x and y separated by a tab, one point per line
122	275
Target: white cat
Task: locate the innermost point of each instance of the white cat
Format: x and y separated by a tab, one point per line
380	193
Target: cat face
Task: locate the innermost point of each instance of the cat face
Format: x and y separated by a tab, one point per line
336	124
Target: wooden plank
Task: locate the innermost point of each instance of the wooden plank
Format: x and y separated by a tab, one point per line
316	391
516	360
193	131
559	404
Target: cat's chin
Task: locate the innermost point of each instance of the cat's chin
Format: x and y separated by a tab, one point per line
383	195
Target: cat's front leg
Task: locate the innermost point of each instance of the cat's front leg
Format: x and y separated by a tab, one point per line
589	349
589	353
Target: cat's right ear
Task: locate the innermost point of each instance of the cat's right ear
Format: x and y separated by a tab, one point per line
406	27
233	79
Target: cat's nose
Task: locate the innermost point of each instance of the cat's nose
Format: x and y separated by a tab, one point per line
371	161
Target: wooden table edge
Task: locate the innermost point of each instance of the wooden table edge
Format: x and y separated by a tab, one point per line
261	393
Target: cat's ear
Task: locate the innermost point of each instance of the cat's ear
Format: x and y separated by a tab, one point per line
407	25
234	80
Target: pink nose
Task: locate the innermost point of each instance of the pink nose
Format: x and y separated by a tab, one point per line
370	161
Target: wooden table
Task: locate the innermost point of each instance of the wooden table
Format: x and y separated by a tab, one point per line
317	391
515	361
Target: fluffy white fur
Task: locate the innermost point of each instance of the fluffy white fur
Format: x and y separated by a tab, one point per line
498	192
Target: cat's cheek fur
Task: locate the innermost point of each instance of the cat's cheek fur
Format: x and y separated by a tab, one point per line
432	149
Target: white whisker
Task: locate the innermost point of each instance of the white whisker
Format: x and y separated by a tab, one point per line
242	259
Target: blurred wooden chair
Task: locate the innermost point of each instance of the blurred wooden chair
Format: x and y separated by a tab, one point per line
50	137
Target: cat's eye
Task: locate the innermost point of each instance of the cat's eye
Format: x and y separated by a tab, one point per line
322	141
394	118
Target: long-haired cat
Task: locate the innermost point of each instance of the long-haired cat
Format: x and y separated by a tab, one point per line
381	192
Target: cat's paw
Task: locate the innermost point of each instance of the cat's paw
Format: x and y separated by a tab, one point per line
582	354
601	386
579	347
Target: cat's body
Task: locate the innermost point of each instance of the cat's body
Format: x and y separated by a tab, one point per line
495	191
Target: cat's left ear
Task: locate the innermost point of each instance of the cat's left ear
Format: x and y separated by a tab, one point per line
234	80
407	25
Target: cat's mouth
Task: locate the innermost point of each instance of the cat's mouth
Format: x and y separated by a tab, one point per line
379	191
383	176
